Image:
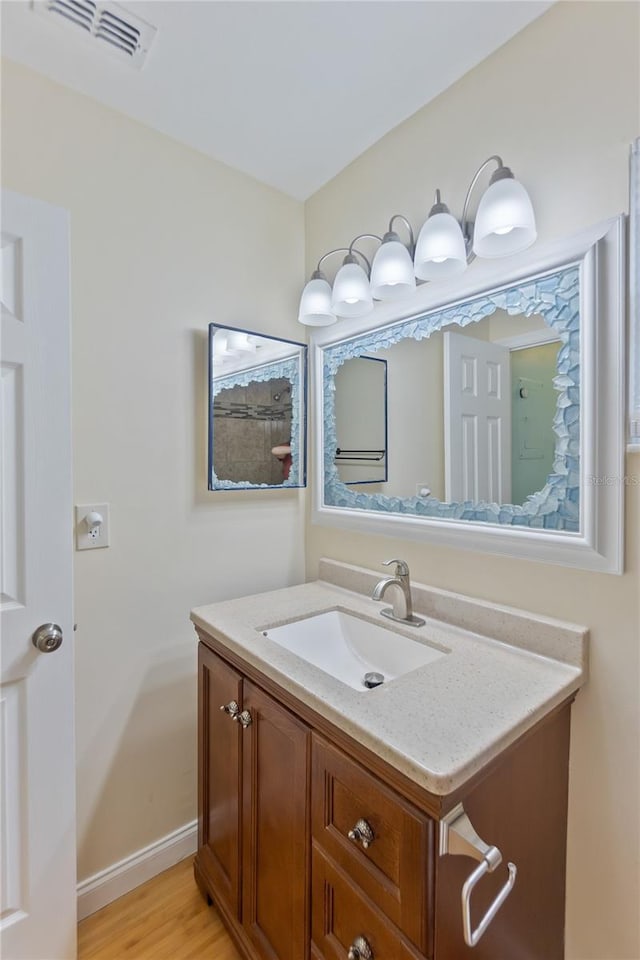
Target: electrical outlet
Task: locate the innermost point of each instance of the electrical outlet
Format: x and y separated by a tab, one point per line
92	526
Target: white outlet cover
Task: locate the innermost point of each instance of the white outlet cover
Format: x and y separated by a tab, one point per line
84	539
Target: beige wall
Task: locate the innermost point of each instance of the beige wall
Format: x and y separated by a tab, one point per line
560	103
163	240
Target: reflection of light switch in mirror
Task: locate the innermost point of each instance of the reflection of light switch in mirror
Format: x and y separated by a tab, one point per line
529	428
92	526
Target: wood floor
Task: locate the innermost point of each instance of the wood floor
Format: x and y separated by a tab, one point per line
164	919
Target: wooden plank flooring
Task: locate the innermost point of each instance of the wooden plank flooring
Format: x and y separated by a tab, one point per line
164	919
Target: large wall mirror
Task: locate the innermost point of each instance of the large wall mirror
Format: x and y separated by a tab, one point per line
504	427
257	410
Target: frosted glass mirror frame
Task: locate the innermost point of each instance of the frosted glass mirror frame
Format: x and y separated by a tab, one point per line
275	359
597	544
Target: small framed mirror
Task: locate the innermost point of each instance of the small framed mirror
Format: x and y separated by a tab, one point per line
257	410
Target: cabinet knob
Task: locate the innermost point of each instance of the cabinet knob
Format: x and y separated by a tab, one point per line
362	833
245	718
231	709
360	949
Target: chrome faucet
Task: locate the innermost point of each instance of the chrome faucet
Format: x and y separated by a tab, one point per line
402	609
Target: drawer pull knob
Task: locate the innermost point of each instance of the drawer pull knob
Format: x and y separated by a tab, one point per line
231	709
244	718
362	833
360	949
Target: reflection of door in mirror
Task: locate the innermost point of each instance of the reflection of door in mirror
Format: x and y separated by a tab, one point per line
477	413
499	403
361	421
250	423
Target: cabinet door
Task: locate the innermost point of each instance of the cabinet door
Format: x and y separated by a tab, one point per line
219	746
275	907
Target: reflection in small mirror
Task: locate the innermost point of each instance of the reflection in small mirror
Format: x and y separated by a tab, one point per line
257	422
361	420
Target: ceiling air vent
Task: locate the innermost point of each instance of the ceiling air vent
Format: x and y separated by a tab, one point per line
119	32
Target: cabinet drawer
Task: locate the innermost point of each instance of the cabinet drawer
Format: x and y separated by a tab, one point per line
395	869
341	913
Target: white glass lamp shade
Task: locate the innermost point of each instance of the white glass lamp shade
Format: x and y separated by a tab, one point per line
440	249
351	292
315	304
238	342
392	276
505	222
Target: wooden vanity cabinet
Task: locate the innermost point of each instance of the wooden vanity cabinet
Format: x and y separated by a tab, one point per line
253	834
308	841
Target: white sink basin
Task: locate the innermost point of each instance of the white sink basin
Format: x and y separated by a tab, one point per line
348	647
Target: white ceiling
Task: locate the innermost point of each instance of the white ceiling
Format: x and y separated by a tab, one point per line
288	92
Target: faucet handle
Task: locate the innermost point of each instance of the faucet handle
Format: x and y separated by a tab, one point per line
402	568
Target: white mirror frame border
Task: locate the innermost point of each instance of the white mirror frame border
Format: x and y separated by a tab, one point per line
600	253
634	298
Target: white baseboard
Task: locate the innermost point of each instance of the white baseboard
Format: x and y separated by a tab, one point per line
100	889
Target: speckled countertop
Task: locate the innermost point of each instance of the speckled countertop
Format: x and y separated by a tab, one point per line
503	671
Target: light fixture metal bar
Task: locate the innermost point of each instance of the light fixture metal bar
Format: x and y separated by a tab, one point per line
467	199
412	239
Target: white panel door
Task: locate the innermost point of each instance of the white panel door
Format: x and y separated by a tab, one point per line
37	786
477	410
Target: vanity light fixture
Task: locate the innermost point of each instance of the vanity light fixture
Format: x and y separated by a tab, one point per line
441	250
315	302
392	274
319	305
505	224
352	295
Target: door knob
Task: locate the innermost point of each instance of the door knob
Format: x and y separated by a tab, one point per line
47	637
